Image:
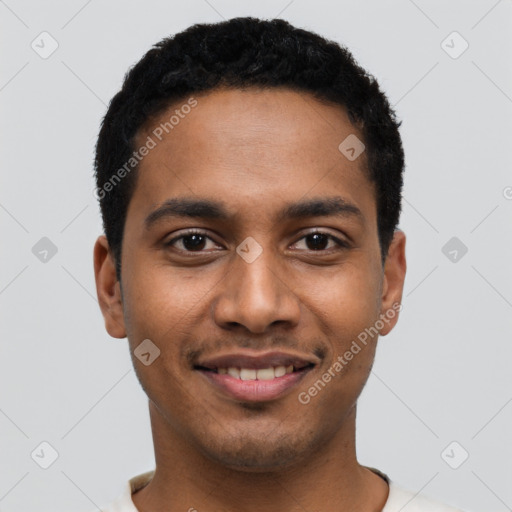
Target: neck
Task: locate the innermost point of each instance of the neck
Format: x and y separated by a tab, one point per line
330	479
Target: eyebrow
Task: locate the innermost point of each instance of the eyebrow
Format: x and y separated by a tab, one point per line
208	209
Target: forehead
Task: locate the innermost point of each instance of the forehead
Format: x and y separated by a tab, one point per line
244	145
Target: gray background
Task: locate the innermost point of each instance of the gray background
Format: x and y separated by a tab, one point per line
443	374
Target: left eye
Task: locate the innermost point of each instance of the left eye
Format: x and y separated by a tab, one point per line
319	241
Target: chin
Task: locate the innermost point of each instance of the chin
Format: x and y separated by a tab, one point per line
259	453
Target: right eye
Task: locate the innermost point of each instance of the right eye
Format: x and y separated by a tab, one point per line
190	241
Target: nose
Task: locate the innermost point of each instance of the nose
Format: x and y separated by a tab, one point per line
256	296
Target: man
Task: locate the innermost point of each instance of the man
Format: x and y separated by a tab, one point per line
249	176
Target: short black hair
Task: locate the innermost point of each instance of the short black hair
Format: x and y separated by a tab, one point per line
241	53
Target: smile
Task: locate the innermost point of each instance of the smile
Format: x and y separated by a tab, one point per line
255	378
252	374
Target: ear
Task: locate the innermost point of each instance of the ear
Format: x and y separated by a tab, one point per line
393	283
108	289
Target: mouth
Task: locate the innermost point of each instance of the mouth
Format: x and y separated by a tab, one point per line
256	377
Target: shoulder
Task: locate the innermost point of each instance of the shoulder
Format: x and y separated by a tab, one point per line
124	502
403	500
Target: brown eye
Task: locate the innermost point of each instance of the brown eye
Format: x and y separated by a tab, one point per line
194	242
191	242
319	241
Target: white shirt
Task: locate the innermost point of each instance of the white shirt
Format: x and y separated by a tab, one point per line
399	499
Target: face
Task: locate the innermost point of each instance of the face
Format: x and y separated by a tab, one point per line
251	260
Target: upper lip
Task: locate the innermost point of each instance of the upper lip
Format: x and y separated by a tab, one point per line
257	360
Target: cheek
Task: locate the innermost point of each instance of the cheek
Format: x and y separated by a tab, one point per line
159	299
348	299
160	307
349	306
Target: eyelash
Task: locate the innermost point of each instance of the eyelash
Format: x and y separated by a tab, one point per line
340	243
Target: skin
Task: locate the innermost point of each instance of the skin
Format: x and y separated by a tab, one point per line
256	151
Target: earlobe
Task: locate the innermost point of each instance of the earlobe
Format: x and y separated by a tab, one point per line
393	284
108	289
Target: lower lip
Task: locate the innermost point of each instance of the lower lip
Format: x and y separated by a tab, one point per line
255	390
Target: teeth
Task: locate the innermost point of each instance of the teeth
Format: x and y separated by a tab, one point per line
252	374
234	372
246	374
280	371
265	374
